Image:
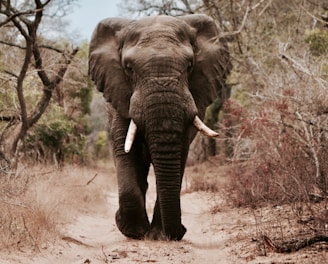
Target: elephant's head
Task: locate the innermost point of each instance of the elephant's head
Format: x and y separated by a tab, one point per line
161	73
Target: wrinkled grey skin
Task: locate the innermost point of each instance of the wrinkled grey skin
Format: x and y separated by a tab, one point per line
159	71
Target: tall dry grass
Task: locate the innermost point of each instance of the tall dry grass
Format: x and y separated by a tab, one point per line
36	204
281	141
281	145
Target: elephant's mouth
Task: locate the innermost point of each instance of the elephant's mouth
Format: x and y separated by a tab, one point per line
197	122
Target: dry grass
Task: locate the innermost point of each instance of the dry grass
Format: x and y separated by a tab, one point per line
25	222
40	198
285	222
208	176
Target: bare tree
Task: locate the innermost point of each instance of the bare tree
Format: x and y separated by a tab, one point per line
160	7
25	66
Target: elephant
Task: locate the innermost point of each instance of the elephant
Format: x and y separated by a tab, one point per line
157	74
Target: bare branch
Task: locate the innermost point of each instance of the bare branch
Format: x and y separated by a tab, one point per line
11	73
229	34
249	9
52	48
20	80
309	139
13	16
31	44
9	118
49	86
313	16
23	47
12	44
297	66
187	5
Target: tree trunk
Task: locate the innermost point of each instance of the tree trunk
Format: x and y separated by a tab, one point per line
28	26
8	143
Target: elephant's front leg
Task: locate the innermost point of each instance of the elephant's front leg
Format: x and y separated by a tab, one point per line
132	171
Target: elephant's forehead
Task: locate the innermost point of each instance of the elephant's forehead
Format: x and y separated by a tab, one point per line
160	20
152	28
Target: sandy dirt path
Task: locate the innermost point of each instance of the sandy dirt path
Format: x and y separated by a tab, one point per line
217	233
103	243
94	238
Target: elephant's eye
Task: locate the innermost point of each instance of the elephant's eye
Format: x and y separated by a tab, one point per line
128	68
190	66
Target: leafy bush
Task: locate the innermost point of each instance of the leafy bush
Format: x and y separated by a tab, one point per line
101	146
318	42
84	95
54	134
58	138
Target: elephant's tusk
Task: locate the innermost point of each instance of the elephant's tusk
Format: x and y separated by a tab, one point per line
132	131
203	128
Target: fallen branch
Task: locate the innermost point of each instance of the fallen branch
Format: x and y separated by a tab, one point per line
89	181
74	241
293	245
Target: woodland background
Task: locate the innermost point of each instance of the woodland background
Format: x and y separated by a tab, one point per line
274	125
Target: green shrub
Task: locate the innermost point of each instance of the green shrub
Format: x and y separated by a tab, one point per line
101	144
54	134
318	42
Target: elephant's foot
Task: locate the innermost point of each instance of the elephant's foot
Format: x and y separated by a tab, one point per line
132	224
156	232
175	232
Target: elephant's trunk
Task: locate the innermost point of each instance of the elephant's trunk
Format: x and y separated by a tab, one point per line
168	185
166	147
166	115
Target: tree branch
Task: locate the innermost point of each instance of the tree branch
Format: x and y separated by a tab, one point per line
23	48
49	86
249	9
20	80
12	44
13	16
31	40
314	17
9	118
51	48
11	73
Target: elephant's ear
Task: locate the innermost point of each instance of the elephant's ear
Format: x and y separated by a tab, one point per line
105	66
212	61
